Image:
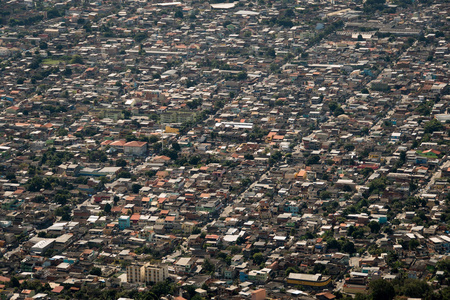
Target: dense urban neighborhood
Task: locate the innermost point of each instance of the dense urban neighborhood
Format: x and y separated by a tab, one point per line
266	149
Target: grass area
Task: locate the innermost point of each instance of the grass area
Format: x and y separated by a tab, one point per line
49	61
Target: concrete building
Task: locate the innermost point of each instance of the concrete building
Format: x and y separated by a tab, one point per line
134	274
316	280
154	273
124	222
147	274
135	148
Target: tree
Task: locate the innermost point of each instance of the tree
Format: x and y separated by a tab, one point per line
197	297
15	282
35	184
374	226
121	163
349	147
124	174
241	75
43	45
62	131
178	14
97	156
444	265
365	91
139	37
349	247
76	59
258	258
371	6
176	146
249	157
413	244
382	290
67	71
333	244
271	53
333	105
96	271
208	266
324	195
39	199
107	208
290	270
415	288
136	187
339	111
240	240
377	185
313	159
61	198
163	288
432	126
402	157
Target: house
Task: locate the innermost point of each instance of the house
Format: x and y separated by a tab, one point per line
316	280
124	222
135	148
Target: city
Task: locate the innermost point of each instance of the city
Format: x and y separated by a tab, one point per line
264	149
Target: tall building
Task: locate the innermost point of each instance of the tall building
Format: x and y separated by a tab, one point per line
154	273
124	222
147	273
134	274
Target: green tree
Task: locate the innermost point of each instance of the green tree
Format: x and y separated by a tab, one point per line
124	174
374	226
413	244
349	147
324	195
432	126
381	289
176	146
139	37
271	52
258	258
121	162
338	111
43	45
76	59
107	208
241	75
415	288
349	247
178	14
290	270
313	159
333	244
249	157
15	282
67	71
136	187
96	271
97	156
208	266
246	182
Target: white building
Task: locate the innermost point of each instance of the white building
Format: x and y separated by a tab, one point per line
42	246
133	273
147	273
135	148
154	273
